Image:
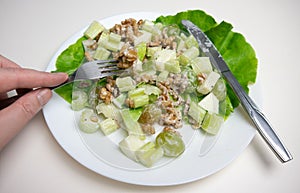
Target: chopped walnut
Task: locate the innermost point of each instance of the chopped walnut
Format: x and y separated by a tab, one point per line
186	106
169	43
117	29
110	85
178	82
146	78
169	129
201	78
126	57
148	129
171	115
133	24
127	29
129	103
166	91
105	95
93	46
88	56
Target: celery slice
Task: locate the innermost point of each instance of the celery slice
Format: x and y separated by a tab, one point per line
109	111
172	66
144	38
188	55
150	89
108	126
79	100
140	101
132	126
149	154
196	112
149	26
101	53
163	76
180	44
191	42
138	97
120	100
89	121
94	30
152	50
125	84
165	55
110	41
136	92
209	83
112	46
130	145
104	37
115	38
210	103
141	50
212	123
201	65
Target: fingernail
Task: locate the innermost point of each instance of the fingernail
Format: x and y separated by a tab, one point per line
62	75
43	96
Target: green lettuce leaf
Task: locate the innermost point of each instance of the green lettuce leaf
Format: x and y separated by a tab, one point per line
68	61
198	17
65	92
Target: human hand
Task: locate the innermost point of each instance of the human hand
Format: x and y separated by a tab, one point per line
14	117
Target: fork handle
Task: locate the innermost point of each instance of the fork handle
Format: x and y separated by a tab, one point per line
8	101
262	124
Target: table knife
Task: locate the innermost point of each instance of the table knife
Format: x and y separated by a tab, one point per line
263	125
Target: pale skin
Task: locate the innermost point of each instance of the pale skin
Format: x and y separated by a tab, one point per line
14	117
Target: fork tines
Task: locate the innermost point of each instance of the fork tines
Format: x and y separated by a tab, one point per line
103	63
108	65
109	68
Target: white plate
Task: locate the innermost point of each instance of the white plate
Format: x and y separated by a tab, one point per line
237	132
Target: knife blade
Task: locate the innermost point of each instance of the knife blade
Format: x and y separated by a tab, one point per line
262	124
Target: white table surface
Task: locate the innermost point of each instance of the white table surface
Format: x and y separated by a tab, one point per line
31	31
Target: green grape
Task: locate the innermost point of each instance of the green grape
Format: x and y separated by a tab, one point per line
171	142
150	114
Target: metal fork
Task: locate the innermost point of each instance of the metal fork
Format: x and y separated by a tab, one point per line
93	70
90	70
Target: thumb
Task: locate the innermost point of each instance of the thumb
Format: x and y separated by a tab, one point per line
17	115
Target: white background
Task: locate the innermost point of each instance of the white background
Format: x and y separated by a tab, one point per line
31	31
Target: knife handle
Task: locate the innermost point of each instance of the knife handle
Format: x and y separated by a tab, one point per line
260	121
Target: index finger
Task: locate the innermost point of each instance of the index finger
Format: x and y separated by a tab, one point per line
13	78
